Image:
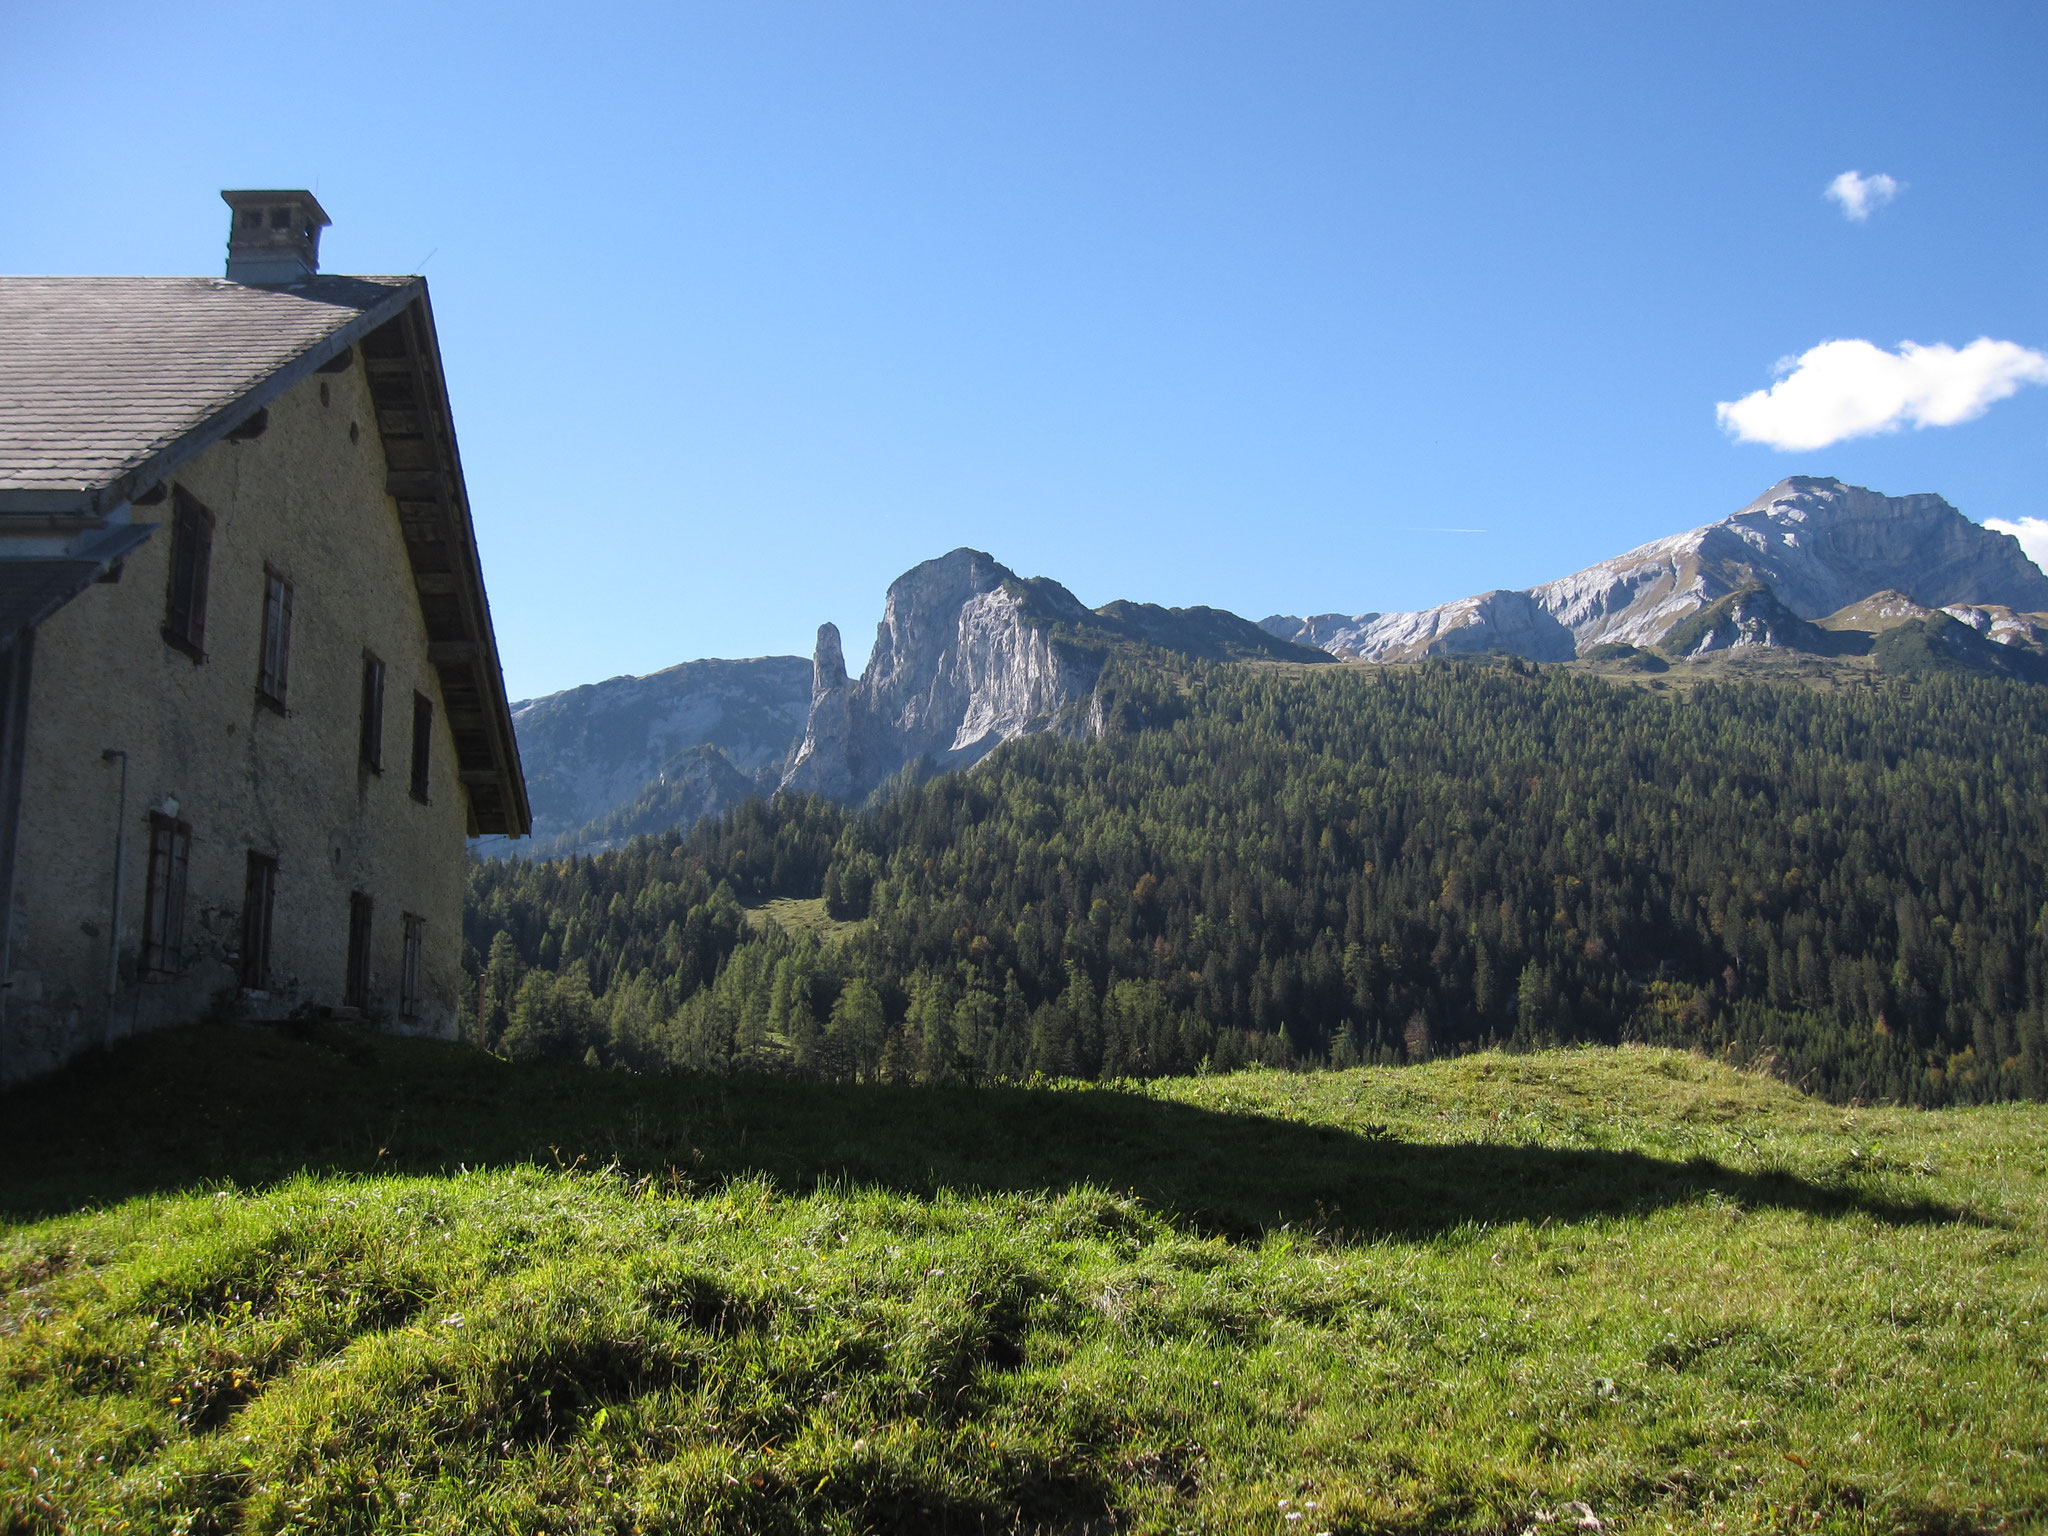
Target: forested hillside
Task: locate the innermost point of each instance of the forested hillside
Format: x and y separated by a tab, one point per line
1342	865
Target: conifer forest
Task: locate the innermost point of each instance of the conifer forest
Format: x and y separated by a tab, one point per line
1334	866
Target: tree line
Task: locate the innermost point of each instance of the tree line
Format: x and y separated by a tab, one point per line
1338	866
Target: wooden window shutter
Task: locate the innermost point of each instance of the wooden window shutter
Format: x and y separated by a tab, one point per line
274	672
163	921
259	898
191	562
202	567
371	740
409	970
178	600
284	642
356	984
422	745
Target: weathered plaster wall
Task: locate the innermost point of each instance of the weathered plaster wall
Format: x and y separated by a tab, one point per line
307	497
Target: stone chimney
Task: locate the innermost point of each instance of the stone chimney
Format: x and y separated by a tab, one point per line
274	237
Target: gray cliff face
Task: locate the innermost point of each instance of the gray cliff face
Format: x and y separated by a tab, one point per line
963	661
591	750
1818	544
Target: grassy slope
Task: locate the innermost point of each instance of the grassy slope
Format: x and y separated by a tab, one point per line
1463	1296
799	915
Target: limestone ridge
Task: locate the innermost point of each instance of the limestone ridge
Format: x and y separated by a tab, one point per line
1882	611
1493	621
1755	617
964	661
589	751
968	656
1817	544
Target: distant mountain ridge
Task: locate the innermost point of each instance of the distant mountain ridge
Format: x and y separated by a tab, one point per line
1817	544
589	750
1493	621
969	655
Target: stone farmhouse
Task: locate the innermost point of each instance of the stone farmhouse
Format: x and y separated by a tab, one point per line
250	701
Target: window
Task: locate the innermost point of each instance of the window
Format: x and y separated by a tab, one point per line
191	558
422	742
372	735
163	913
409	967
356	986
275	672
259	898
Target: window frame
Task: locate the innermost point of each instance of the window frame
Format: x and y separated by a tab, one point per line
163	908
185	590
259	918
274	660
422	748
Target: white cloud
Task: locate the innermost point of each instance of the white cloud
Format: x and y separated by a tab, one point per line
1844	389
2032	532
1858	195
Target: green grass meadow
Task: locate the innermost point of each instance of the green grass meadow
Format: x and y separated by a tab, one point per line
800	916
255	1280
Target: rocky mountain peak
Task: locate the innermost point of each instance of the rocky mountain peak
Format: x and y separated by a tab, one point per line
958	667
1820	544
970	655
828	662
1816	543
921	606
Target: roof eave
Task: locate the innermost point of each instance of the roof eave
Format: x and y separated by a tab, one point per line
468	661
80	569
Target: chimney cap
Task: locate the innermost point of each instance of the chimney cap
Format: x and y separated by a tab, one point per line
274	235
286	197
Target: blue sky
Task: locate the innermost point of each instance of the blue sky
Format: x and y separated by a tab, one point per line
749	307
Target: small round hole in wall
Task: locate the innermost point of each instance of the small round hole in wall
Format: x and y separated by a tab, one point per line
354	433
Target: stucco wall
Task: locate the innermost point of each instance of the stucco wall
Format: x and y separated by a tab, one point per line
307	498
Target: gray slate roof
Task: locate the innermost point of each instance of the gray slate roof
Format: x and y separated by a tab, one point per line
108	383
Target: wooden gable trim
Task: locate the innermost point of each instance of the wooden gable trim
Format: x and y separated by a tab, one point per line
402	362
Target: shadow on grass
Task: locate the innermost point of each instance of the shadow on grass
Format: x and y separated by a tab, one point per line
253	1105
